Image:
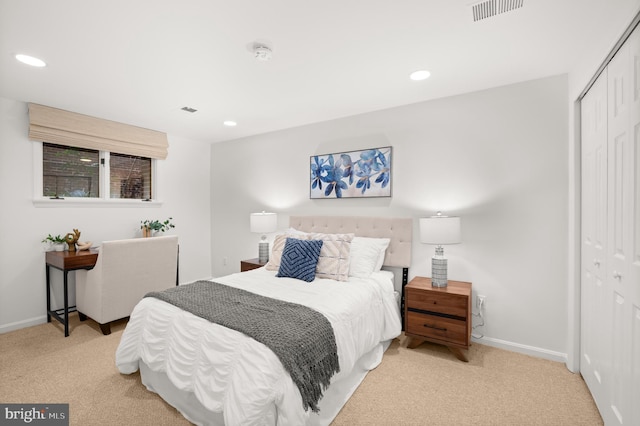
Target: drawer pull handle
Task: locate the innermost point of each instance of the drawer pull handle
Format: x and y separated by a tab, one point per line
434	327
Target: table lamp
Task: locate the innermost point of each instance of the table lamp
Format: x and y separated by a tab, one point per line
263	223
439	230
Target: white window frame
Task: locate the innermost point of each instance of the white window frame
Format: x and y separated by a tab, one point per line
104	200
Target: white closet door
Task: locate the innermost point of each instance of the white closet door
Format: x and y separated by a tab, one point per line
619	253
622	223
595	303
634	264
610	268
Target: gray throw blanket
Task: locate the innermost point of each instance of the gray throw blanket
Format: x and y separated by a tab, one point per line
301	337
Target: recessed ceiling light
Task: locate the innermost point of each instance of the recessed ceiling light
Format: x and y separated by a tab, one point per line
30	60
419	75
229	123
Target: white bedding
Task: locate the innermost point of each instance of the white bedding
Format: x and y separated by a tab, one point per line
231	373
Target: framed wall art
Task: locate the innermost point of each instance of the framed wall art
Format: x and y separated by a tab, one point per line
355	174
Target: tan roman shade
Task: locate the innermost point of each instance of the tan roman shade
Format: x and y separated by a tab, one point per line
57	126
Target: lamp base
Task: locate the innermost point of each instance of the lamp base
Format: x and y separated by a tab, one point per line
263	252
438	272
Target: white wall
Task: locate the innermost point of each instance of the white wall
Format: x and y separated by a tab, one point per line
184	182
497	158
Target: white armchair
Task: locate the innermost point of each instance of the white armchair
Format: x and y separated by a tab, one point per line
125	271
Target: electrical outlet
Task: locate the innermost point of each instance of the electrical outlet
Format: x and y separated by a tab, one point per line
480	301
225	260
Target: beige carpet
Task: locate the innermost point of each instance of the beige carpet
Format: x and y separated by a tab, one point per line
423	386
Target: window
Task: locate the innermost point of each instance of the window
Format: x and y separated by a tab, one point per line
70	172
86	160
130	177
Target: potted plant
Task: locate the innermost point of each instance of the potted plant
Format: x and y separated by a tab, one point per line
150	227
56	242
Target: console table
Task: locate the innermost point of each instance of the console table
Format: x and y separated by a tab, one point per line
66	261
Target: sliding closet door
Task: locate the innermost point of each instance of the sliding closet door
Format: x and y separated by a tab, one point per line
610	268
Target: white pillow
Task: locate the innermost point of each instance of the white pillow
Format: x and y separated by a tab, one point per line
383	244
277	247
334	259
367	255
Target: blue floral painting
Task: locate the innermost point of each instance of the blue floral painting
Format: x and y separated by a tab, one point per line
365	173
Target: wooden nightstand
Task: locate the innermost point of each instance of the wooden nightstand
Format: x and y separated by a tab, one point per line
249	264
438	314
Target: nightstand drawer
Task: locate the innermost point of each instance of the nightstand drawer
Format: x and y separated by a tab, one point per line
439	328
450	304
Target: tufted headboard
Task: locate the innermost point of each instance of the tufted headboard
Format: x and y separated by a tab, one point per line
398	230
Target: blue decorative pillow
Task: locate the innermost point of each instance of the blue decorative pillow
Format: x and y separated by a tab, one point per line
299	259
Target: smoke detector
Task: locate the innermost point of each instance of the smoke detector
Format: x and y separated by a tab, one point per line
261	52
489	8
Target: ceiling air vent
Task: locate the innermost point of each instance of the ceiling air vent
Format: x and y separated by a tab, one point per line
489	8
188	109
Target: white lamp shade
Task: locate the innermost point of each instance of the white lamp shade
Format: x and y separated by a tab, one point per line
440	230
263	223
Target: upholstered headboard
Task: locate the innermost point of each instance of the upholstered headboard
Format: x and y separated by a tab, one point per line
398	230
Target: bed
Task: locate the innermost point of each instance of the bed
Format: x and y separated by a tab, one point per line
216	375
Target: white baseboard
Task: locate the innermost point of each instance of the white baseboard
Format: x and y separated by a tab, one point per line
523	349
5	328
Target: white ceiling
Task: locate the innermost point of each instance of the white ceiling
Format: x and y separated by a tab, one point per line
141	61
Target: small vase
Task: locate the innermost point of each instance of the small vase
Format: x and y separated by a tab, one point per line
147	232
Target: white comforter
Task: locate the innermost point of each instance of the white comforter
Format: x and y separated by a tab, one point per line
231	373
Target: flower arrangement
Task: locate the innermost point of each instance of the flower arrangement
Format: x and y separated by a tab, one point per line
54	242
150	226
58	239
